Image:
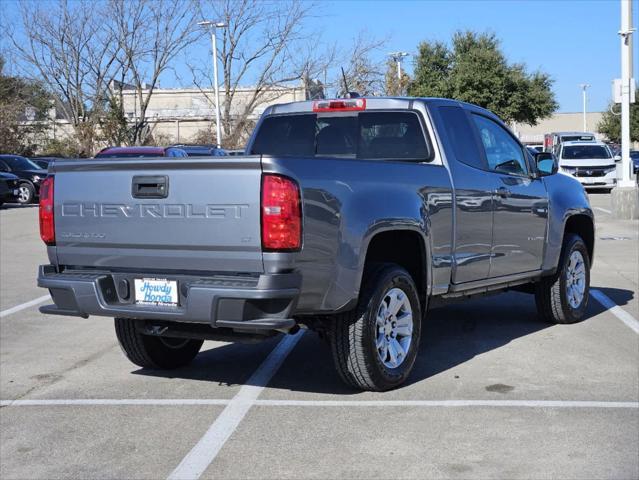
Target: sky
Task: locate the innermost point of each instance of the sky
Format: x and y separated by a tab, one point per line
574	41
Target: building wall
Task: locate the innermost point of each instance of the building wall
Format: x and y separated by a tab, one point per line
557	123
180	103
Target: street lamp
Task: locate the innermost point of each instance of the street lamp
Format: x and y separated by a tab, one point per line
397	57
584	86
214	26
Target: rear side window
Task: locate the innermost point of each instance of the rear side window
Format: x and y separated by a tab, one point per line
461	136
367	135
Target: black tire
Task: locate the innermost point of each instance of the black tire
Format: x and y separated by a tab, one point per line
551	293
353	334
149	351
26	194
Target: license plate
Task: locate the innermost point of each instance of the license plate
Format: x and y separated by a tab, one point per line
156	291
588	180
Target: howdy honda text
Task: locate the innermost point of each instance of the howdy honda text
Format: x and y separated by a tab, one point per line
150	210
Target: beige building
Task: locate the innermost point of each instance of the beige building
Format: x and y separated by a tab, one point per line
559	122
179	114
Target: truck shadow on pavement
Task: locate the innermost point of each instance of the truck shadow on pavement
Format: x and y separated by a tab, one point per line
451	335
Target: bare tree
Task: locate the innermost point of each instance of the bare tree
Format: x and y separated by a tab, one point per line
63	45
364	74
267	46
150	34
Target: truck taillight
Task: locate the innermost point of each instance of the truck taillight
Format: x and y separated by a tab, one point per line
281	214
47	227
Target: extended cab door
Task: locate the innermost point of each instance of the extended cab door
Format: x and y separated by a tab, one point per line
520	202
473	187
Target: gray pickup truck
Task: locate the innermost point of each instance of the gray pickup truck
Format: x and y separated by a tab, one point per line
348	217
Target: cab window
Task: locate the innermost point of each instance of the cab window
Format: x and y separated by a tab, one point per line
503	152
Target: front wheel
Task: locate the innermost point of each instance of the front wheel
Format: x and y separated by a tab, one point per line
563	298
148	351
374	347
26	193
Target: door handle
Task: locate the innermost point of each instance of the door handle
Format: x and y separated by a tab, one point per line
503	192
151	186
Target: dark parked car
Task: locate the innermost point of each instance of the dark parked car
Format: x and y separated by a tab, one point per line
8	187
43	162
141	152
201	150
30	175
634	156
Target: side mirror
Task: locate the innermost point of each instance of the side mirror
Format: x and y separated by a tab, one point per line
546	163
617	158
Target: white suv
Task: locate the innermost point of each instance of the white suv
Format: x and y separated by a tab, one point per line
591	163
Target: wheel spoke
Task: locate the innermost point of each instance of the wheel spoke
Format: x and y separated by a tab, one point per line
395	302
405	325
381	339
393	354
399	350
383	352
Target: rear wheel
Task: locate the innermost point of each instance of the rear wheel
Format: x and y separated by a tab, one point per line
374	347
149	351
563	298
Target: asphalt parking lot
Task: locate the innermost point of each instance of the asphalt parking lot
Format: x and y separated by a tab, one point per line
495	393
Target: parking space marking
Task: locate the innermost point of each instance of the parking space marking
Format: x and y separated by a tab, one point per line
447	403
204	452
326	403
616	310
114	401
603	210
25	305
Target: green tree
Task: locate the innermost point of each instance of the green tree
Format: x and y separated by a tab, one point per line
610	123
475	70
115	130
24	105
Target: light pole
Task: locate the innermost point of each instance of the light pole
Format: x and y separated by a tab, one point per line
584	86
626	74
397	57
214	26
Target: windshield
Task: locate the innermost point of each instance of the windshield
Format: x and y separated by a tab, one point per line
21	163
367	135
579	152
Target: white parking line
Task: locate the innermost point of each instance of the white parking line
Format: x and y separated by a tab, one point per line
326	403
113	402
603	210
205	451
22	306
616	310
446	403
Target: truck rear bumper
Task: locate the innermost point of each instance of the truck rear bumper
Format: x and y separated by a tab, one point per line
264	302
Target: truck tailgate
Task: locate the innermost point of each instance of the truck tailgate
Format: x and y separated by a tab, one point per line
159	214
